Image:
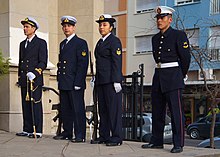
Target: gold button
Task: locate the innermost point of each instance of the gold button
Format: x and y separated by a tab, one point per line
64	67
27	60
64	61
160	47
64	73
21	61
59	67
21	71
158	57
58	72
27	66
159	52
161	42
162	37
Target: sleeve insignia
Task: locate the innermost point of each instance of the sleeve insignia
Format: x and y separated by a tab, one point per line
83	53
118	52
39	70
185	45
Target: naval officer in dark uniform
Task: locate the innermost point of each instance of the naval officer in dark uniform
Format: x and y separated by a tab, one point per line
71	77
32	61
172	56
108	54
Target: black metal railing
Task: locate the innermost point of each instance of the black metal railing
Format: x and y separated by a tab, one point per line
132	105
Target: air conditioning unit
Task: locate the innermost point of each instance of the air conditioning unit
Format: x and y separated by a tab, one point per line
208	74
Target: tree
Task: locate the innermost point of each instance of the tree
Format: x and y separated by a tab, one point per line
4	65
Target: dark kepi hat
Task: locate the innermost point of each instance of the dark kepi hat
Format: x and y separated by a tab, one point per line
163	11
68	20
31	21
105	18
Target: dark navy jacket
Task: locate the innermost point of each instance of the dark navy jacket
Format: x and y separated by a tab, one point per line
108	61
32	59
73	64
171	46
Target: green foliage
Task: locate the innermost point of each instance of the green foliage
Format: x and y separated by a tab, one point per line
4	65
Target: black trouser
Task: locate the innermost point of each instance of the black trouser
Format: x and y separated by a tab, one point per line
27	112
110	112
73	113
174	101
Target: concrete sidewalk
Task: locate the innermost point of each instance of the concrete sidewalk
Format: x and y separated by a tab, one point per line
14	146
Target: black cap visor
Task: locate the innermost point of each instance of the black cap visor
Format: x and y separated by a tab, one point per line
162	15
69	22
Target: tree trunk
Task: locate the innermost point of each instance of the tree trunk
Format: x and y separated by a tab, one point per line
212	127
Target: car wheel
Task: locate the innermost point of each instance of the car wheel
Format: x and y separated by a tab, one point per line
146	138
194	134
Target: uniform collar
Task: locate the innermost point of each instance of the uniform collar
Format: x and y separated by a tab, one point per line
106	36
70	37
167	32
31	38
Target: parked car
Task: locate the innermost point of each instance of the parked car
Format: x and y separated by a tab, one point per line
206	143
146	127
201	128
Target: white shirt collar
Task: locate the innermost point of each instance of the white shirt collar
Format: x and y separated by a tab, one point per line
31	38
70	37
103	38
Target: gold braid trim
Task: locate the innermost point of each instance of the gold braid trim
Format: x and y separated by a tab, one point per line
35	88
37	101
39	70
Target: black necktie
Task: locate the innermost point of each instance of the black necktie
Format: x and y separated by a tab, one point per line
100	42
64	43
27	43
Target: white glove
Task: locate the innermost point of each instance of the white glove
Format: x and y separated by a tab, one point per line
31	76
117	87
92	82
186	78
77	88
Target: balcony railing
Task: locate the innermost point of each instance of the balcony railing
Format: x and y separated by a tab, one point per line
214	7
214	54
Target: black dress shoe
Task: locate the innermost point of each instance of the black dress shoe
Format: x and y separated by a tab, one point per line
22	134
152	146
113	143
176	150
62	137
78	140
98	141
32	136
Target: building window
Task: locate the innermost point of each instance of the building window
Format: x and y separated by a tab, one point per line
180	2
193	36
214	44
143	44
214	7
145	5
214	54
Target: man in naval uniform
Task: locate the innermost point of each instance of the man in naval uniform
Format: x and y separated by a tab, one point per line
32	61
71	77
172	56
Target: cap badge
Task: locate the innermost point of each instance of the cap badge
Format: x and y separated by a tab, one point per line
66	20
101	18
26	19
83	53
118	52
158	10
